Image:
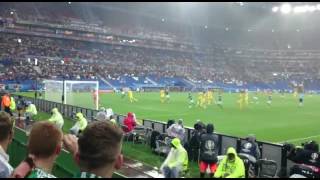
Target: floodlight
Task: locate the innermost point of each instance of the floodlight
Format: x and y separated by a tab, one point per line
311	8
286	8
275	9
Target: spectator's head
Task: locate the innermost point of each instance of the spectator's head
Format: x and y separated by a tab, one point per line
231	154
180	122
6	132
312	146
28	103
251	138
130	115
176	143
100	149
79	116
210	128
45	141
197	125
54	111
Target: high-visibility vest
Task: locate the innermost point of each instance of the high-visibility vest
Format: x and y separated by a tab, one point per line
12	104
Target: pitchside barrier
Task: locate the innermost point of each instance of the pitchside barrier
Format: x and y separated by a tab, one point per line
269	151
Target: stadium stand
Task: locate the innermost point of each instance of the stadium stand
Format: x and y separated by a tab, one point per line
76	45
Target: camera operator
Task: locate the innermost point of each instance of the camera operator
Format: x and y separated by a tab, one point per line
307	157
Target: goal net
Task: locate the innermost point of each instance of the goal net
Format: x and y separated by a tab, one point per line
76	93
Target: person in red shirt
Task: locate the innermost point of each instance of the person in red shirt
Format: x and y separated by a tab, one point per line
129	123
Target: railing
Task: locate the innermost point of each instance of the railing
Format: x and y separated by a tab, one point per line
268	150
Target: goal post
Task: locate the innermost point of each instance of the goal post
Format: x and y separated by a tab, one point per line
77	93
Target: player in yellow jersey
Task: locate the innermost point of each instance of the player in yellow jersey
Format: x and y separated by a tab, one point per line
241	100
246	97
162	96
295	92
210	98
203	100
199	99
131	98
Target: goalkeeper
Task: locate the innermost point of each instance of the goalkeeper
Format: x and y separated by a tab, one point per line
131	98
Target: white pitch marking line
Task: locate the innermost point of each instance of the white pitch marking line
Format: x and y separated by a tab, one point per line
299	139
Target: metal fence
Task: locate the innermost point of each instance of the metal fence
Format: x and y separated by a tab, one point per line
269	151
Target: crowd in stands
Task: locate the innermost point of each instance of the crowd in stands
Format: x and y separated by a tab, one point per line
57	58
85	60
96	147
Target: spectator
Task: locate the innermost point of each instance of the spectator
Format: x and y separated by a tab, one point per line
6	136
170	122
81	124
129	123
44	146
231	166
56	118
177	130
209	146
102	115
98	150
176	161
200	126
194	142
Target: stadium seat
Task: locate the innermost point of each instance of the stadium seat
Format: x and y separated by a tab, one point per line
267	168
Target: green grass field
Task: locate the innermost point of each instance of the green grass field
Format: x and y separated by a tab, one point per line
283	121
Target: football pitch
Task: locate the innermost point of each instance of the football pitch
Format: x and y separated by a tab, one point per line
283	121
